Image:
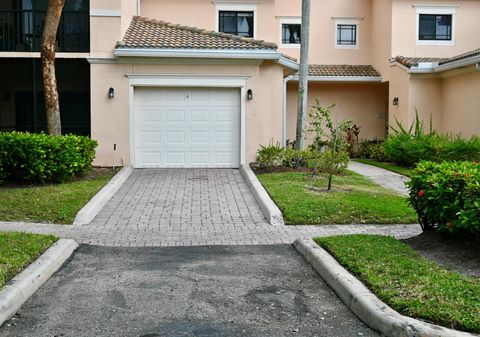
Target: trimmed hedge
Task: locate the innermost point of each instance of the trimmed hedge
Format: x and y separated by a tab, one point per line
40	158
446	196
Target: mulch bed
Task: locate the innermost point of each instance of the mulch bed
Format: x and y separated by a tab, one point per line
458	254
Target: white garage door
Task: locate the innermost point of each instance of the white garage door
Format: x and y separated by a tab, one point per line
187	127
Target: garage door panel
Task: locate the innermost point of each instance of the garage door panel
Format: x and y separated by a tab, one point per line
186	127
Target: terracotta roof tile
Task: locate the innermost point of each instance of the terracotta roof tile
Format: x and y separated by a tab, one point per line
460	57
147	33
342	70
414	61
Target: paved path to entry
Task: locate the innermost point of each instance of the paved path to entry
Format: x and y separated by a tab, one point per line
191	208
265	291
385	178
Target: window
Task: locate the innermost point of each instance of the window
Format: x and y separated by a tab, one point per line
291	33
236	23
346	35
435	27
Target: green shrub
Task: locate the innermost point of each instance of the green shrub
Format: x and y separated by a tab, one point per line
377	152
296	158
39	158
270	155
446	196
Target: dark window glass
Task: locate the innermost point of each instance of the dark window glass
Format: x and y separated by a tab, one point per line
236	23
435	27
347	35
291	33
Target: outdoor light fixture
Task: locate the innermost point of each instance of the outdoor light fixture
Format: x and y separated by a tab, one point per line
249	94
111	93
395	101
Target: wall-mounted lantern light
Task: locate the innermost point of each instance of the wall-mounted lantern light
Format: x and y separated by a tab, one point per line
395	101
111	93
249	94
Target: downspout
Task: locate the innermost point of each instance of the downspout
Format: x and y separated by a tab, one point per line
285	80
478	66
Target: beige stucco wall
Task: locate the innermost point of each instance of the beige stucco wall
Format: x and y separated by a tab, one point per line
461	104
399	87
426	99
363	103
110	117
404	28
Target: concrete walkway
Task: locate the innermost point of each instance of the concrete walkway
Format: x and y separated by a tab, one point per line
385	178
264	291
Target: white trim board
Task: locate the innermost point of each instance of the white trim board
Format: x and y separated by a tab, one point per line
197	81
105	12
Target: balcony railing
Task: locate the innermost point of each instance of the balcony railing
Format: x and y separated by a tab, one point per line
21	31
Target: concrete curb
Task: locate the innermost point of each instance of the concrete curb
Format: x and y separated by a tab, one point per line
99	200
272	212
24	285
363	302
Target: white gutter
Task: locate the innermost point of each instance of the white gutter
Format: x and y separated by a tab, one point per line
254	54
342	78
284	136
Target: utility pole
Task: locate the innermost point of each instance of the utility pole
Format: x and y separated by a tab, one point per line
303	76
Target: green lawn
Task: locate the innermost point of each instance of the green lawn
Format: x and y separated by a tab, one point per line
388	166
57	203
359	201
18	250
410	284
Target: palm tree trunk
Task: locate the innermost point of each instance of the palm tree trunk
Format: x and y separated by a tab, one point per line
49	37
303	76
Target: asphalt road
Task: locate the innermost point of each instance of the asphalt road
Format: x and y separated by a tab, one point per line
185	291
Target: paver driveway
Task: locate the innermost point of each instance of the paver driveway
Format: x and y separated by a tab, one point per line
182	197
264	291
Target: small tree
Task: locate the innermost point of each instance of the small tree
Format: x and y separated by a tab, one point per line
47	54
329	144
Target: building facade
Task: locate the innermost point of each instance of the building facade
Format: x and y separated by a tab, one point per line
204	83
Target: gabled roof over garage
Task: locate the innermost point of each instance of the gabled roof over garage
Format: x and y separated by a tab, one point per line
153	38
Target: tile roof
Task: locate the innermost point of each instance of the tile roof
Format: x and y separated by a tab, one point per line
342	70
410	62
147	33
460	57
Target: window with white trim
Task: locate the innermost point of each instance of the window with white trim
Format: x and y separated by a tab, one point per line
236	23
347	33
290	32
436	25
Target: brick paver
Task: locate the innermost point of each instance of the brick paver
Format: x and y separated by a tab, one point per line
191	208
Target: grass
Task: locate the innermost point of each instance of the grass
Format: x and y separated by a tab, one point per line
410	284
356	200
57	203
18	250
387	166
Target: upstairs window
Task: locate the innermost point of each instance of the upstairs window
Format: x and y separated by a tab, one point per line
236	23
291	33
433	27
346	35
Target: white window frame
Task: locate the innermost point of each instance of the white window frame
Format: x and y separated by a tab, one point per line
436	10
236	7
349	21
288	21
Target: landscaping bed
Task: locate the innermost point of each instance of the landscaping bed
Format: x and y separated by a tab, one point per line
455	253
409	283
51	203
304	200
387	166
18	250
